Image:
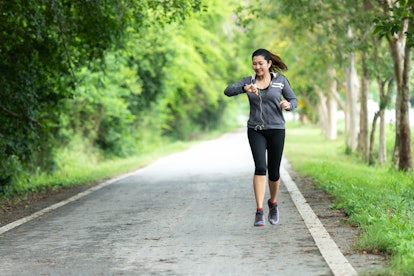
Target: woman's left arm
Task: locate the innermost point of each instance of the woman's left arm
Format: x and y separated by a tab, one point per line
290	102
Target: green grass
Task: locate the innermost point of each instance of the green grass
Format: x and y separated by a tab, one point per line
80	164
379	199
78	167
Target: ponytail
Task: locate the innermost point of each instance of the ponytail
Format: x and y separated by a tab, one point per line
277	64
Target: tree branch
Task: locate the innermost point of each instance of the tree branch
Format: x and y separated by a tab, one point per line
14	114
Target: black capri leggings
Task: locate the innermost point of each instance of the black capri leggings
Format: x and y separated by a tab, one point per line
272	140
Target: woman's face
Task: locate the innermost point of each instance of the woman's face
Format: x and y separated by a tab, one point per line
260	65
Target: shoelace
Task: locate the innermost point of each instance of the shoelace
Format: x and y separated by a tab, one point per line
273	209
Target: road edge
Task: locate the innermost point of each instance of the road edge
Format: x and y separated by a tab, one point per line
59	204
333	256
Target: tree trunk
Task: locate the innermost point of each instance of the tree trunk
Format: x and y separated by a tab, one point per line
396	151
352	110
384	100
363	116
383	77
371	160
332	130
401	54
406	162
327	108
322	111
382	148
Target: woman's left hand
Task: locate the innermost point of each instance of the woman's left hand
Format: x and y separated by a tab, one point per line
285	105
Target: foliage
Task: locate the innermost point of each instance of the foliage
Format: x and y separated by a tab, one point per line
163	94
43	44
98	111
142	78
377	199
388	25
194	102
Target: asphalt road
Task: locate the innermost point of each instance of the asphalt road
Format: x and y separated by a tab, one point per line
190	213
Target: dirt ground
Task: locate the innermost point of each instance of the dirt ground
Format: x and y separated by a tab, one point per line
15	208
334	221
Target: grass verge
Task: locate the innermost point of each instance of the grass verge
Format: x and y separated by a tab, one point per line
379	199
79	164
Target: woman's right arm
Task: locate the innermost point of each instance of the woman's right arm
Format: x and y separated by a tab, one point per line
236	88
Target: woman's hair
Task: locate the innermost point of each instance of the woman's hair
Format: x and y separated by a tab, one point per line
277	63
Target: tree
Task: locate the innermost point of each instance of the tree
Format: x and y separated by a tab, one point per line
333	32
354	37
396	25
385	79
352	112
43	44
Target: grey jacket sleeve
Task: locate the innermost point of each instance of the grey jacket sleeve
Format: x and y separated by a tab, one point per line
237	88
289	95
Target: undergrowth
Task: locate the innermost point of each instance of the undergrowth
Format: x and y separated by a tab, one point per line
379	199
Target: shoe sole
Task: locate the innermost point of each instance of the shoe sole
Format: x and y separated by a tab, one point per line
273	223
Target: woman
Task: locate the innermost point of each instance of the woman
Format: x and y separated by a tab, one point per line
269	94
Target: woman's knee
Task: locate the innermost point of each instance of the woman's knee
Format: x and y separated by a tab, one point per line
274	176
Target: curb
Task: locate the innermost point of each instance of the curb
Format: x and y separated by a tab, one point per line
337	262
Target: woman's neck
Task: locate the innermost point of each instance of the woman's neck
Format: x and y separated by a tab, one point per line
263	82
263	77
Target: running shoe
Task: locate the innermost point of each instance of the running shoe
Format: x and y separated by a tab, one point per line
259	219
273	213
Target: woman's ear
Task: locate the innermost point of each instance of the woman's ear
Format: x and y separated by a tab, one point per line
269	64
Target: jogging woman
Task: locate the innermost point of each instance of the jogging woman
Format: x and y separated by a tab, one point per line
269	93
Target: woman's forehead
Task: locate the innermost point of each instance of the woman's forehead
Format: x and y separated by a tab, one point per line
258	58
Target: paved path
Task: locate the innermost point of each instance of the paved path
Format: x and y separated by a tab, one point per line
190	213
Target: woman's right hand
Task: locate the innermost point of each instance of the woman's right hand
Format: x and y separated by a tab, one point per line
251	88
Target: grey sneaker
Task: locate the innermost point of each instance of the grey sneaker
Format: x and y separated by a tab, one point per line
273	213
259	219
